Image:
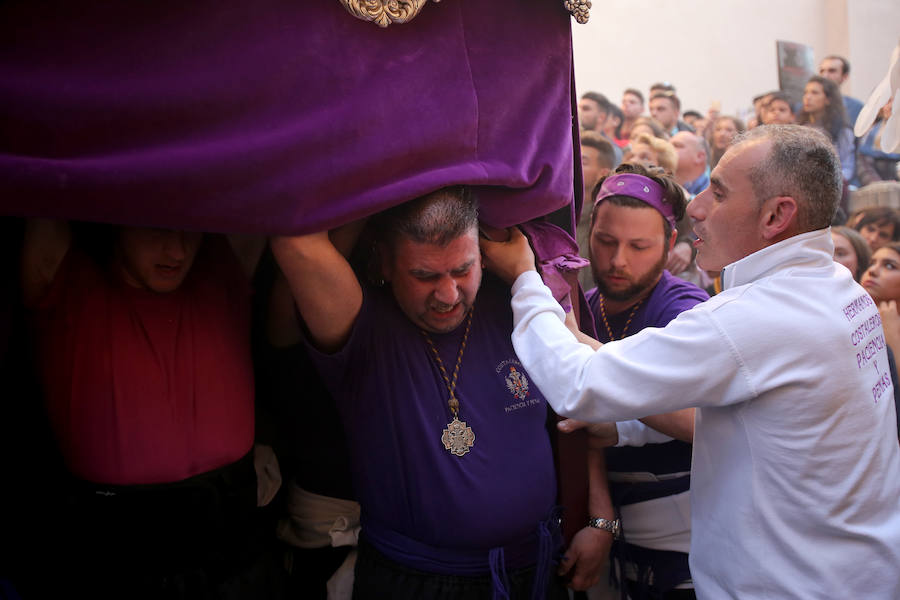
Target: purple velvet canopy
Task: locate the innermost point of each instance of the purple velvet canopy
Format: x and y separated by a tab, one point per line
280	116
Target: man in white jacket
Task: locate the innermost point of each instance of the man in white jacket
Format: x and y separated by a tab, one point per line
795	489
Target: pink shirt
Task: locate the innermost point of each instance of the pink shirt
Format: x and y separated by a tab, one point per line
144	387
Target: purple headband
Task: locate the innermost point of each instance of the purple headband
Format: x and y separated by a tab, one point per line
636	186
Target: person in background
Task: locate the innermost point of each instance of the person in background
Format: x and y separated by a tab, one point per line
691	117
593	113
662	86
877	225
632	108
665	108
597	160
778	110
648	126
882	277
649	151
882	281
695	120
837	69
712	113
693	162
721	132
872	163
593	108
759	107
850	250
823	108
613	128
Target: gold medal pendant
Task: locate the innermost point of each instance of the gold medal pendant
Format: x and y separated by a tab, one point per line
458	438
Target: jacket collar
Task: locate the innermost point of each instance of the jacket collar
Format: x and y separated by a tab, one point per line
810	249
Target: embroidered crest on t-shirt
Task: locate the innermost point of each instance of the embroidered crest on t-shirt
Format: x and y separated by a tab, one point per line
517	384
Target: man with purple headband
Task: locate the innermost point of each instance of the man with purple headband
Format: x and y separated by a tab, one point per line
795	480
632	231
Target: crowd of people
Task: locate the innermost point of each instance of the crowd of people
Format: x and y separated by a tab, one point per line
688	144
363	413
660	115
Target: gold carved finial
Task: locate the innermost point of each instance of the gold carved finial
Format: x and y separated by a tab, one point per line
580	9
384	12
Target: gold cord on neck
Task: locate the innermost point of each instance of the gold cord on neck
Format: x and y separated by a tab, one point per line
451	384
627	322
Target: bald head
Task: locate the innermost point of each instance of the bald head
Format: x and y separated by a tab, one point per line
692	154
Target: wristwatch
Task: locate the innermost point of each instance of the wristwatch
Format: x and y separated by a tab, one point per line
614	527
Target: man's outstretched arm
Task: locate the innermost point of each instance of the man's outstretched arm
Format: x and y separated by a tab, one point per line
652	372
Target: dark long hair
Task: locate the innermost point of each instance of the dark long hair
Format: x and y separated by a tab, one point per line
715	153
860	248
835	117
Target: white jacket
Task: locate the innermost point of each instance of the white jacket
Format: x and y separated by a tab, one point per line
795	488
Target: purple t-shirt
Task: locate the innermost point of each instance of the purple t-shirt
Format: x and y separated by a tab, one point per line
669	298
421	505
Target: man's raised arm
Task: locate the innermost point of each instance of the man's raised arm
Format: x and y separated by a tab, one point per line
45	245
323	284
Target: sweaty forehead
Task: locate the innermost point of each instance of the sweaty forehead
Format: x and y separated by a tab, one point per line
437	257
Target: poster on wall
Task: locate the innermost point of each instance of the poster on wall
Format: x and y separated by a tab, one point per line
795	67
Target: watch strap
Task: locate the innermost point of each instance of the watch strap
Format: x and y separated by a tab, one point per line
612	526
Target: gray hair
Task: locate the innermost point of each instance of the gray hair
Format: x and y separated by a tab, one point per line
803	164
436	218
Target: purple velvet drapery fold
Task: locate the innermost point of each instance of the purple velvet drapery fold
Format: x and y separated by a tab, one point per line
280	116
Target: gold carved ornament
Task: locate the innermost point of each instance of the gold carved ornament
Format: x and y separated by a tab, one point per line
386	12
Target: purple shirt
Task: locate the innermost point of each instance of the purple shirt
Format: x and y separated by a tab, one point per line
421	505
670	297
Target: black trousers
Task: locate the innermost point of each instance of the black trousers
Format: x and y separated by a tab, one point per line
635	591
202	538
378	577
